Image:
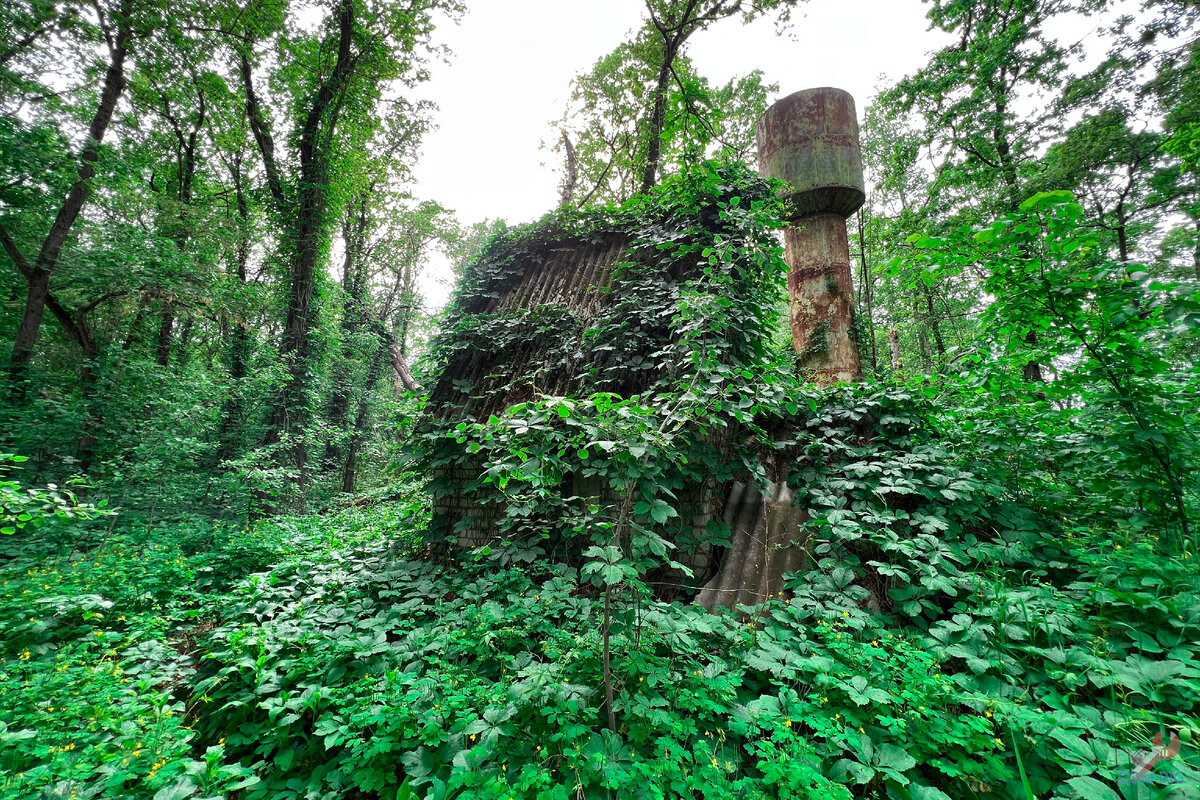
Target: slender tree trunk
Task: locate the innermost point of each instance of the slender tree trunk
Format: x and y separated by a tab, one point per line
894	346
866	284
359	433
934	326
658	114
1033	370
38	278
186	156
183	347
135	329
572	172
1196	250
338	412
162	353
239	346
1122	236
37	290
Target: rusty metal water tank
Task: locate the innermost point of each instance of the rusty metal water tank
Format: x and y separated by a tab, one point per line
810	140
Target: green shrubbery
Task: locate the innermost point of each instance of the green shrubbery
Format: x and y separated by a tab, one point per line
1003	597
178	663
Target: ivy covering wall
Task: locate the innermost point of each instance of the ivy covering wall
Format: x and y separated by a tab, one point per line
603	359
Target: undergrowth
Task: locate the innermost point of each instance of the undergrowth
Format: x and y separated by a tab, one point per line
1002	598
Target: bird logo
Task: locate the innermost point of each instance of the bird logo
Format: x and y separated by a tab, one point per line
1144	760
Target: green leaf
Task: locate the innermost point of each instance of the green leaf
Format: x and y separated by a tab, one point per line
180	790
889	756
1089	788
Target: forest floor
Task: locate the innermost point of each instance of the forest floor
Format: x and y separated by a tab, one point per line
320	657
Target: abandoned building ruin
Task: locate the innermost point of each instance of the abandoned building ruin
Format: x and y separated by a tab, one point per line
809	140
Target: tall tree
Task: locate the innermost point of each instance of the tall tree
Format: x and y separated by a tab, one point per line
338	77
115	23
673	23
643	109
979	112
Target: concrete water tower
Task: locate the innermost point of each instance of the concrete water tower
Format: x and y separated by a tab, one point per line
810	140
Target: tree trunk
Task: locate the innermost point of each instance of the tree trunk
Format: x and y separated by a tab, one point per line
654	128
338	411
1196	251
867	291
166	324
1122	236
572	172
1033	370
359	433
135	328
289	414
894	346
183	347
38	279
239	346
934	326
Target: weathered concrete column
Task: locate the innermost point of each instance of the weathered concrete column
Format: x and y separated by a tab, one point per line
810	140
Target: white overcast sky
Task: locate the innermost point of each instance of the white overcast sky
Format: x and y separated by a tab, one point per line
514	59
513	62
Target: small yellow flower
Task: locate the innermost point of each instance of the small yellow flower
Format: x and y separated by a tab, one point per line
999	742
787	723
988	714
860	729
845	613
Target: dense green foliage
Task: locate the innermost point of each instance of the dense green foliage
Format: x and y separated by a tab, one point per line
1002	590
1004	600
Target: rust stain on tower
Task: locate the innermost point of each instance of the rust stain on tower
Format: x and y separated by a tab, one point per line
810	140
